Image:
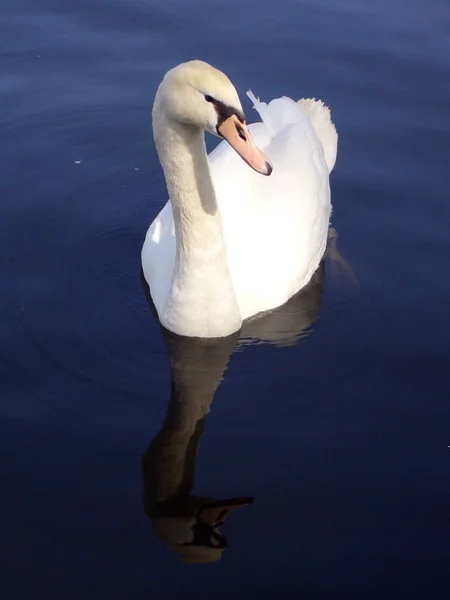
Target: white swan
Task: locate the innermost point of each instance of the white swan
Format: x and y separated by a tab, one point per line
229	243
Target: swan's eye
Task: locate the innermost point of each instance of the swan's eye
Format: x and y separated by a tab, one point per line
209	98
241	133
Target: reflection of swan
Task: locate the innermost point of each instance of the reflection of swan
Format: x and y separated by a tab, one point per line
186	523
286	325
231	244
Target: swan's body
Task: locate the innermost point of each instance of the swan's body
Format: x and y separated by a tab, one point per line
230	243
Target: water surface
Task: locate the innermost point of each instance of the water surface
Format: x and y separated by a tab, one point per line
339	430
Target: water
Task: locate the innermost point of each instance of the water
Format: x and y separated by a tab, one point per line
339	432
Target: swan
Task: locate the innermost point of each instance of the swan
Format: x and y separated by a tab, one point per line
230	243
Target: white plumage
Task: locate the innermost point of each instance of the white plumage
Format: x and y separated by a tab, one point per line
255	242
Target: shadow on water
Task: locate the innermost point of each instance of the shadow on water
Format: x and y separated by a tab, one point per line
186	523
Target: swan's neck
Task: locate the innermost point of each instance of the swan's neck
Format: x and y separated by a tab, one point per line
181	150
202	292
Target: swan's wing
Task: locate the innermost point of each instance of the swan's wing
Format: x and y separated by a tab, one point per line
158	256
320	117
275	227
283	111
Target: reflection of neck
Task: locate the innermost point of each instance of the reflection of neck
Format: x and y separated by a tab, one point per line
168	465
201	266
169	461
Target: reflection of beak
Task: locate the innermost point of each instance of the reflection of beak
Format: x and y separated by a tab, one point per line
239	138
210	516
215	512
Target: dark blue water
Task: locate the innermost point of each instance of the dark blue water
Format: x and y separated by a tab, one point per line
339	431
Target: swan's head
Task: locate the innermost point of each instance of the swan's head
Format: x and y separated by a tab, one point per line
195	93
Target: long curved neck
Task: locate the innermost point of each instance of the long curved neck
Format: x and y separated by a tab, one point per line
181	150
201	300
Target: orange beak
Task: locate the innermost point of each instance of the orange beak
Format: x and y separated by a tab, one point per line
239	138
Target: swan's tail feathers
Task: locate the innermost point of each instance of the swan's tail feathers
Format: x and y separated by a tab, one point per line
320	117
